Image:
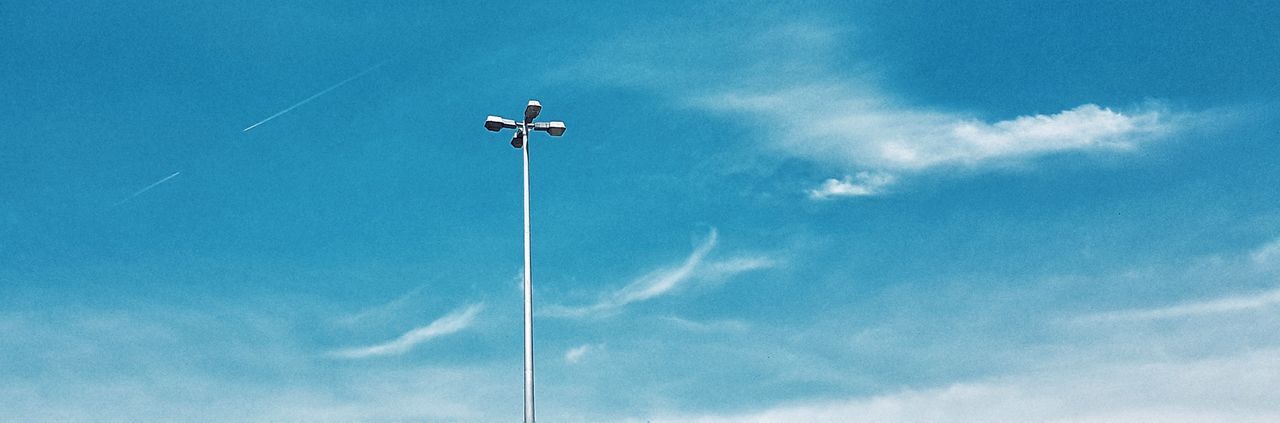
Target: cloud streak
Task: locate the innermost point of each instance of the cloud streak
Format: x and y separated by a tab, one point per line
451	323
147	188
314	96
1233	389
665	281
1192	309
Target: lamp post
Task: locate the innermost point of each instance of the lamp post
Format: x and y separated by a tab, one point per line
521	141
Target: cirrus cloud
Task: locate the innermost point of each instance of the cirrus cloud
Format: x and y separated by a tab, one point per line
665	280
860	128
792	84
448	324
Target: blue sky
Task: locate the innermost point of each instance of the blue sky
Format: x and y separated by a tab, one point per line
887	211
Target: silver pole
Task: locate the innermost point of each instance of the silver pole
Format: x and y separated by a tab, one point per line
555	129
528	290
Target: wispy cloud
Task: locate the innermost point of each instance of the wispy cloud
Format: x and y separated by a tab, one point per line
1266	254
720	269
1234	389
575	354
861	185
839	116
1198	308
665	280
451	323
859	128
1256	265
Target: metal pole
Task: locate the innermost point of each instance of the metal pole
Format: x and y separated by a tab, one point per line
528	290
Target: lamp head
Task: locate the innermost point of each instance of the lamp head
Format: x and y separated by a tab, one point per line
555	128
518	140
531	111
495	123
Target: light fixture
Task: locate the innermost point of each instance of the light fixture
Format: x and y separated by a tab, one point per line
521	140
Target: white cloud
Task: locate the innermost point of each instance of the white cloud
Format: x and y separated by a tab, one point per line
1199	308
866	184
721	269
574	355
863	129
665	280
451	323
1266	254
162	362
1232	389
1255	265
854	126
835	113
517	281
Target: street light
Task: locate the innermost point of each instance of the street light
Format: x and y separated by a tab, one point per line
521	141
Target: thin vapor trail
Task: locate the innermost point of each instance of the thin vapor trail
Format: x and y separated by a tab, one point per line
313	97
148	188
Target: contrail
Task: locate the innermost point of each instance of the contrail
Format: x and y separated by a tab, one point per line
148	188
313	97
